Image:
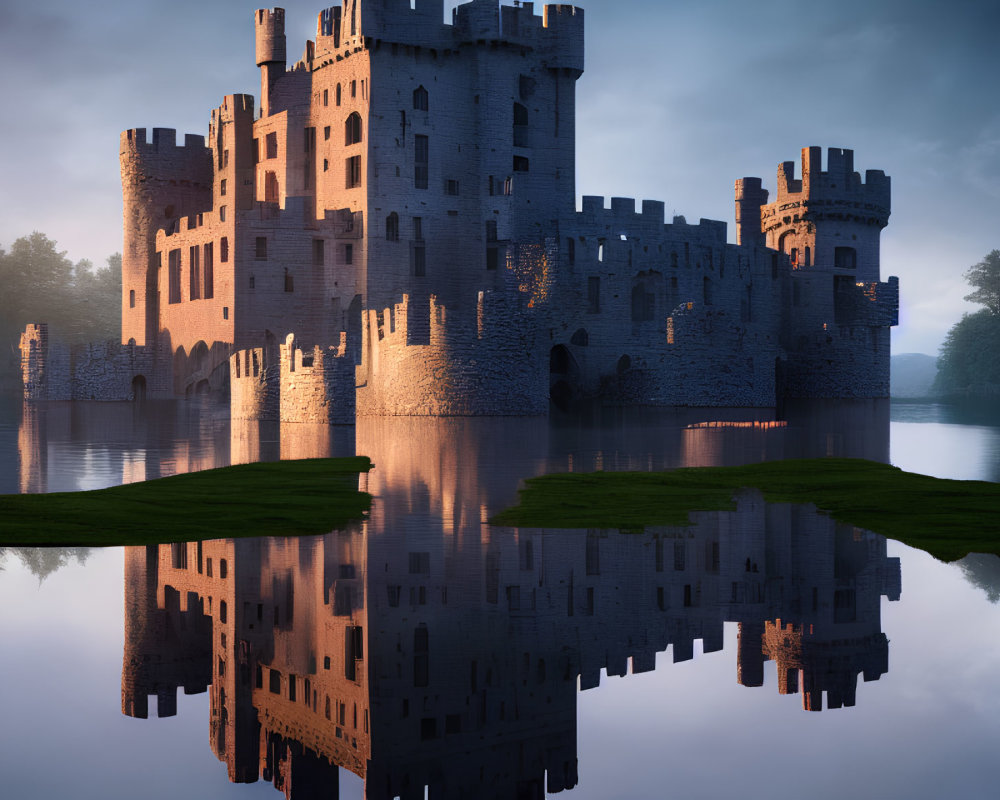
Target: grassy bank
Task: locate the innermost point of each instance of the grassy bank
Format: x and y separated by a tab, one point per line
270	499
946	518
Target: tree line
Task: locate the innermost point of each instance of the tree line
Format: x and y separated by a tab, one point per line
38	283
969	361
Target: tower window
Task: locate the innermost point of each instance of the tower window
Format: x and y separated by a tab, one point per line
420	99
352	168
260	249
392	227
352	129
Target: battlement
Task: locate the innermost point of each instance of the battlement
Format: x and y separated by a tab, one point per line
839	179
317	385
557	33
621	219
164	140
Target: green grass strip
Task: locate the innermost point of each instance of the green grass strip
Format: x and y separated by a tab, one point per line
281	498
947	518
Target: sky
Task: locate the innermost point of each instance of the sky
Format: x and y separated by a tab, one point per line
678	100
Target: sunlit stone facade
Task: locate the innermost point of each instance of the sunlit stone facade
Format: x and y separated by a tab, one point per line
405	201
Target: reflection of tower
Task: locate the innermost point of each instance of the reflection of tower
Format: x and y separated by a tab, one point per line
821	602
32	450
167	636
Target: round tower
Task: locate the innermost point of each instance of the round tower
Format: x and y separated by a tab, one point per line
161	182
829	218
270	49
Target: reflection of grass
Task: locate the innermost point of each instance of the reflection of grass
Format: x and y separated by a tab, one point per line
270	499
946	518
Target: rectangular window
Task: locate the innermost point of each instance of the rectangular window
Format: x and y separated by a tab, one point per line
421	158
225	158
209	271
352	168
222	187
418	228
318	252
348	253
260	251
289	283
194	272
419	260
326	97
520	164
492	258
222	213
270	187
224	249
174	276
255	151
131	298
326	132
594	295
271	145
451	187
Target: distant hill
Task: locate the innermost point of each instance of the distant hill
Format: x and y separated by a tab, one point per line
911	374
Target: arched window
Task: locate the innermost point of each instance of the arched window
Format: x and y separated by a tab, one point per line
420	99
392	227
352	129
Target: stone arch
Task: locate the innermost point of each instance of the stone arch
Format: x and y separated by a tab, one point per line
580	338
139	388
564	374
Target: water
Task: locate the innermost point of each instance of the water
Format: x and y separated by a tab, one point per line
696	649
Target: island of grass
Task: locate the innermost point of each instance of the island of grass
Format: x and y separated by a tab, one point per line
281	498
947	518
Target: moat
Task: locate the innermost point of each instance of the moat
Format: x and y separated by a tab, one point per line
425	648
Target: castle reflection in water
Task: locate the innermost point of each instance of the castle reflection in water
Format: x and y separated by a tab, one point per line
423	647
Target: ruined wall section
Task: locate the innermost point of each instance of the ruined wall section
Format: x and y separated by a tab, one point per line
161	182
107	370
317	386
254	385
428	361
663	314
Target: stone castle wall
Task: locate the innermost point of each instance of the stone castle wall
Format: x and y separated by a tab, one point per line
94	371
422	359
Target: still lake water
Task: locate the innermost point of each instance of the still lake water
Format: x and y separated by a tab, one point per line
423	648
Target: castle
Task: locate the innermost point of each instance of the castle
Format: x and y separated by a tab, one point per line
396	233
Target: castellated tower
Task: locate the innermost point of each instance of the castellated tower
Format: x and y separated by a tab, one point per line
161	182
827	223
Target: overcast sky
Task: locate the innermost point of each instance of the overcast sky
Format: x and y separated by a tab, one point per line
678	100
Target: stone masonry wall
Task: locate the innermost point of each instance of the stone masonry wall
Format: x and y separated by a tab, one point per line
95	371
317	386
440	363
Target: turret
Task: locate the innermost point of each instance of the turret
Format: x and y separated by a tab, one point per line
270	50
827	218
161	182
749	198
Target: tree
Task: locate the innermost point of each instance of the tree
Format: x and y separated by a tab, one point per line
969	361
985	278
39	284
